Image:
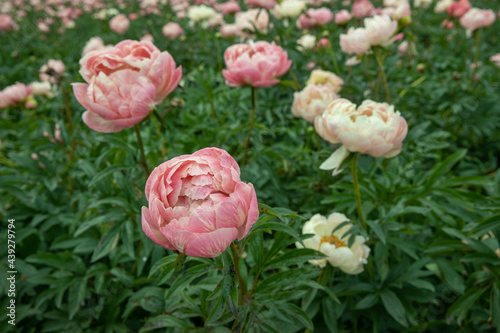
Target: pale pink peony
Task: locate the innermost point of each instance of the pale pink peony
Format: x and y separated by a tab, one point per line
52	71
42	89
306	42
255	64
198	205
289	9
380	30
362	9
229	30
373	128
119	24
93	44
140	56
355	41
267	4
442	6
342	17
7	23
311	101
251	19
319	76
459	8
14	94
172	30
116	101
495	59
334	244
314	17
476	18
229	7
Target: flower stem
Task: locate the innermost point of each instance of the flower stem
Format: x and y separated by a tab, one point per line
334	59
477	34
141	147
380	61
236	260
252	121
356	191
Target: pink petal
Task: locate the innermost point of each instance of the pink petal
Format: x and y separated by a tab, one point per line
212	244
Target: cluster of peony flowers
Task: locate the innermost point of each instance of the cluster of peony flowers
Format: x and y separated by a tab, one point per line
333	244
372	128
321	89
124	83
198	205
256	64
379	30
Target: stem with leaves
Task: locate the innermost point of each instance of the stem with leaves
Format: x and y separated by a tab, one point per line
252	122
356	191
236	261
380	57
141	148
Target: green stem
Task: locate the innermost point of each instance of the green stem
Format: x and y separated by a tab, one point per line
141	147
356	191
334	59
252	121
236	260
380	61
477	34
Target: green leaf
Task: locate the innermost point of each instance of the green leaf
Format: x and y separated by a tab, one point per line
277	227
463	304
378	230
367	302
162	263
95	221
100	175
163	321
294	311
443	167
394	307
486	225
76	295
294	256
106	243
217	311
454	280
495	305
179	261
186	278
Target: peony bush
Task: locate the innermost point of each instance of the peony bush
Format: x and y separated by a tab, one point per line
250	166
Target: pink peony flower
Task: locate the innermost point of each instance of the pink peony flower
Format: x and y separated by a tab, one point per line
477	18
198	205
495	59
459	8
250	20
380	30
342	17
93	44
52	71
229	7
14	94
119	24
7	23
314	17
373	128
362	8
267	4
116	101
229	30
140	56
355	41
172	30
255	64
312	101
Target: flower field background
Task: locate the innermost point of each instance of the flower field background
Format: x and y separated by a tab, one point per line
94	251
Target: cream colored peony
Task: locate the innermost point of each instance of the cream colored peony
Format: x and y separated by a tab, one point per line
319	76
333	243
373	128
311	101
